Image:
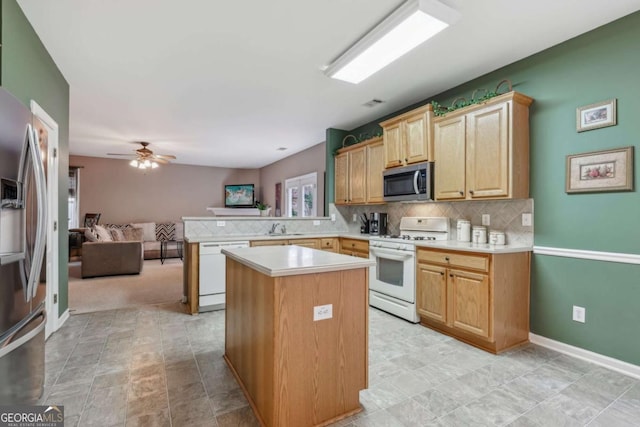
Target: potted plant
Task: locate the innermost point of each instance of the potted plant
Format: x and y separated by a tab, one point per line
263	208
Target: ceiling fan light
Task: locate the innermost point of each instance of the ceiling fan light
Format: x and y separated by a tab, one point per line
147	163
142	166
154	165
134	163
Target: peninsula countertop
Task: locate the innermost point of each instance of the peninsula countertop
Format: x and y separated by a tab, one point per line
277	261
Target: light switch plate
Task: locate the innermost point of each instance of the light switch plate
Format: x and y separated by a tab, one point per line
354	218
486	219
316	222
579	314
220	223
526	220
333	217
322	312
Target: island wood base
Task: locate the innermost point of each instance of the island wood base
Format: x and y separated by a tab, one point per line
293	370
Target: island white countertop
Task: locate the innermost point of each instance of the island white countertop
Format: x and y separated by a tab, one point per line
277	261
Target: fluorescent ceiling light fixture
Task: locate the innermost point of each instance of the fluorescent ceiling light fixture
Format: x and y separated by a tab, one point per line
407	27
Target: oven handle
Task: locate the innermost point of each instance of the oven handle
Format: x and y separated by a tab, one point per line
416	175
391	254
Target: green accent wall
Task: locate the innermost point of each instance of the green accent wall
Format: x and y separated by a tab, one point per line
28	72
593	67
334	142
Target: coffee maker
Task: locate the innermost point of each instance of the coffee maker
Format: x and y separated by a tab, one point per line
378	223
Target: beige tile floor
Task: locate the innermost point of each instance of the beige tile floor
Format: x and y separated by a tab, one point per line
154	366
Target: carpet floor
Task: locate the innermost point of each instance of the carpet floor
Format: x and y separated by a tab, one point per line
157	283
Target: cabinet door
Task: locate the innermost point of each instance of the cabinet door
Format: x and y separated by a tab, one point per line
341	179
450	158
470	302
488	152
375	166
357	176
416	139
307	243
393	152
431	292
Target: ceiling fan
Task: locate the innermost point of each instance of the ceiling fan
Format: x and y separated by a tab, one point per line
144	157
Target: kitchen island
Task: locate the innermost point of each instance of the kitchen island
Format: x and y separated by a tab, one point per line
296	332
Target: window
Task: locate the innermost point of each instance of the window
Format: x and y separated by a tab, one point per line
74	197
301	196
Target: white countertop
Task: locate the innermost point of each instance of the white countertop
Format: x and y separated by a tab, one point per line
276	261
486	248
289	236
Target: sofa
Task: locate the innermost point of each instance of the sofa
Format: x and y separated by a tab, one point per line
111	258
113	249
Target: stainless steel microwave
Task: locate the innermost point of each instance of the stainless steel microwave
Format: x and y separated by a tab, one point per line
409	183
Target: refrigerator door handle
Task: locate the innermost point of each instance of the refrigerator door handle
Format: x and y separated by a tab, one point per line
7	344
33	152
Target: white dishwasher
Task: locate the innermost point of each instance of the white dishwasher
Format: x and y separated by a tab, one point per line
212	274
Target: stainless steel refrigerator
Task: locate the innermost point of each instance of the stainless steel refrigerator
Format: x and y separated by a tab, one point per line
22	250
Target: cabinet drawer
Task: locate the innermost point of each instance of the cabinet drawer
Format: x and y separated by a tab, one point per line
269	242
474	262
328	243
308	243
347	245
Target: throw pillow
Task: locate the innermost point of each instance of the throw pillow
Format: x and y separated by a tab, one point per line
90	235
117	234
103	234
133	234
149	230
165	231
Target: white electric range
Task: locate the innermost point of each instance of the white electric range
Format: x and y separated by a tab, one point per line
392	280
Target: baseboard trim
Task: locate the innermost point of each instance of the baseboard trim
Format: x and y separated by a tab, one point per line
62	319
589	356
591	255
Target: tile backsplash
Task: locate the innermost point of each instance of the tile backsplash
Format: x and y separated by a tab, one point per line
505	215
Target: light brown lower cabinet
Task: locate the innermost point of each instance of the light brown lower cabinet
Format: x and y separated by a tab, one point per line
481	299
354	247
327	243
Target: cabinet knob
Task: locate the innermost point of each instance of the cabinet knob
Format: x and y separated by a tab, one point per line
450	275
446	258
461	193
470	191
406	160
399	161
442	273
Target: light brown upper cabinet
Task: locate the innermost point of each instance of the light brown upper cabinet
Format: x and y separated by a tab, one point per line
358	173
408	138
482	151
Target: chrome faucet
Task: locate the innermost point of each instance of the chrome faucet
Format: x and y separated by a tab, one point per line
273	227
283	229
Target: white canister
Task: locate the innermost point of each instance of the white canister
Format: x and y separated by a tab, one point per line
464	230
497	238
479	234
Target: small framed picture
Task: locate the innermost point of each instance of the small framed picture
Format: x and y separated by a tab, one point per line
594	116
609	170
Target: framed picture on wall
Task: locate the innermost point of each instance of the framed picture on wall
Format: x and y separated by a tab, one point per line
608	170
595	116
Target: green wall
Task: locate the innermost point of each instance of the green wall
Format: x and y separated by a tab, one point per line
595	66
28	72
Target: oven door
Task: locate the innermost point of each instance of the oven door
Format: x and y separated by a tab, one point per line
393	273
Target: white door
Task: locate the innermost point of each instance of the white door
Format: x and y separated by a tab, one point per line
48	128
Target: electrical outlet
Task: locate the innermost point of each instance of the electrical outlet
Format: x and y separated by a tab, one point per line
354	218
333	217
316	222
221	223
322	312
579	314
526	220
486	219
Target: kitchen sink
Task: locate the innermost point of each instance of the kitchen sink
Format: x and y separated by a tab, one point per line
284	234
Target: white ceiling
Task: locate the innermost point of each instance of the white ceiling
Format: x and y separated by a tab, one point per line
225	83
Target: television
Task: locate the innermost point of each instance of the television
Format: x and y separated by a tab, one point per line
239	196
